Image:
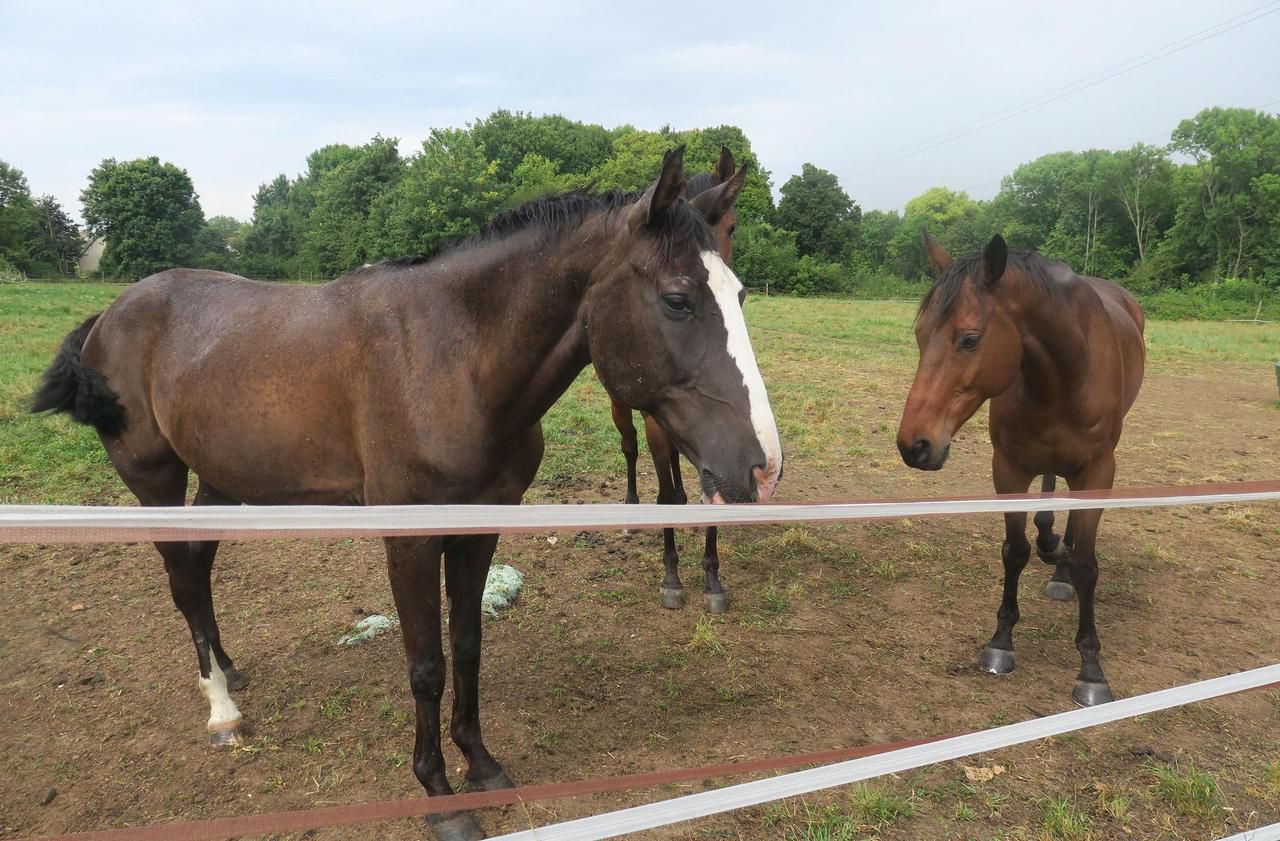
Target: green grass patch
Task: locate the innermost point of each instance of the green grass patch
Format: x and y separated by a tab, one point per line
1190	792
705	640
1062	819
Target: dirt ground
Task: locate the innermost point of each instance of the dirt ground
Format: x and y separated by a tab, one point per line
835	637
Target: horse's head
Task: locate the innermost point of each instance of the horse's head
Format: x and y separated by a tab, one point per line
667	336
970	350
726	224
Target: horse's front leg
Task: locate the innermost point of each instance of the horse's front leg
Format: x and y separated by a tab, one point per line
671	591
997	657
413	565
1091	685
623	422
466	569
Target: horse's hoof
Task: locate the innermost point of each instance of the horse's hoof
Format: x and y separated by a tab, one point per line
1088	693
996	661
236	679
455	826
496	782
1057	555
715	602
230	735
1059	591
672	597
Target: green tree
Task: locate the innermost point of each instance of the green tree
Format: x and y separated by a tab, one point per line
57	244
147	212
1066	205
1140	179
755	202
13	185
221	243
335	239
535	177
1225	221
765	256
820	212
508	138
871	249
449	190
949	216
635	158
270	245
18	220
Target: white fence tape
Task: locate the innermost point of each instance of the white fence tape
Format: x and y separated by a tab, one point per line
707	803
98	524
1262	833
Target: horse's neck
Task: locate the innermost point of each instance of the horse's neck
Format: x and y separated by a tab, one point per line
1055	352
524	338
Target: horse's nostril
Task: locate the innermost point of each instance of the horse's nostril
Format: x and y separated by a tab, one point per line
707	474
917	452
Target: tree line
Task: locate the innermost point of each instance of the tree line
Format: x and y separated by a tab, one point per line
1203	208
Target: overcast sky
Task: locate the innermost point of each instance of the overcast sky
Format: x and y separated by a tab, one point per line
238	92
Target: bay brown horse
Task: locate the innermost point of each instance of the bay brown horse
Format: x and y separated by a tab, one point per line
422	381
1060	357
666	457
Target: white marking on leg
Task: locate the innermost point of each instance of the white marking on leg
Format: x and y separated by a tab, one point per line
725	286
223	713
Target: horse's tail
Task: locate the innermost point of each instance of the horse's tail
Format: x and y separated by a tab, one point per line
70	386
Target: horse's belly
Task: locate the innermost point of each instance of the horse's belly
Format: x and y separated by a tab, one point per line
269	460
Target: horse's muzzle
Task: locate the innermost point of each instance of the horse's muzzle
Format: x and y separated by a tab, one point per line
923	455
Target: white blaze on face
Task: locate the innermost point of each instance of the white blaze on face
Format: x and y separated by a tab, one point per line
726	286
223	712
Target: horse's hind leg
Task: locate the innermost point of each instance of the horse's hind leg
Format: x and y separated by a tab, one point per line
1053	550
205	551
157	477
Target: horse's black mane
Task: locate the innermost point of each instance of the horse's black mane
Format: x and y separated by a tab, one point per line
1031	264
558	214
700	182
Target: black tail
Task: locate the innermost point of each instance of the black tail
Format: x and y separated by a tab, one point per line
83	392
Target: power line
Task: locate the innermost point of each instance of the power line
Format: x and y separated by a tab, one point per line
1084	83
1130	145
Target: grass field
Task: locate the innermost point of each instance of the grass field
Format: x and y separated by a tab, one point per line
49	460
836	635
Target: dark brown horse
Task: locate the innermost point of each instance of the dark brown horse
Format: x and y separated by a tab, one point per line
422	381
1060	357
666	458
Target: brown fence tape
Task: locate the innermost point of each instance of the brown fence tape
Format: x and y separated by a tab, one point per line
382	810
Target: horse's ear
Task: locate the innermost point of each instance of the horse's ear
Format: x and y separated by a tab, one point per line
725	166
938	256
994	258
661	193
714	203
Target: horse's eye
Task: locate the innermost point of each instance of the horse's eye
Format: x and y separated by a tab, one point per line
678	304
733	228
970	341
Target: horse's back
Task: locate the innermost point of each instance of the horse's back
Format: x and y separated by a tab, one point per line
201	359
